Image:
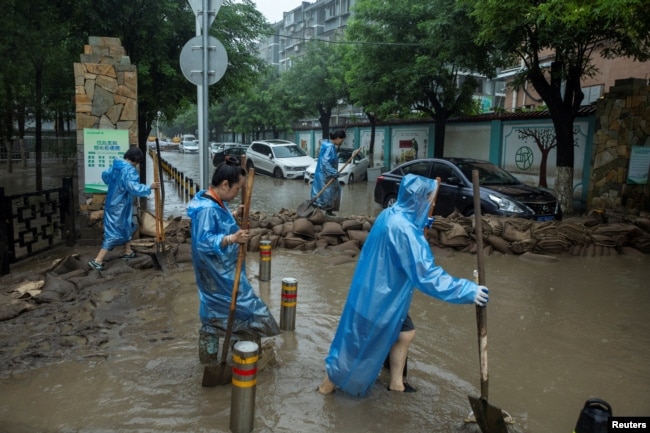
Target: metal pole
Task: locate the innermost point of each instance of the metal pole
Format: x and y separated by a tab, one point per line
288	304
204	178
265	260
245	355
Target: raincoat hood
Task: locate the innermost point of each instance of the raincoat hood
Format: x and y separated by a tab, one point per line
413	198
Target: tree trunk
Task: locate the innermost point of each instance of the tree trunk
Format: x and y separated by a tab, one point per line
38	129
564	189
542	168
565	159
439	137
371	147
324	119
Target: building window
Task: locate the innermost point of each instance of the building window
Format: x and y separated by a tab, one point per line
288	19
592	93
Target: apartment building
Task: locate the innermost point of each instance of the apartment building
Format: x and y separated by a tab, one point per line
327	20
323	19
608	71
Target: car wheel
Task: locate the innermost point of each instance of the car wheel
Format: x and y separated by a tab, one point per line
277	172
249	164
390	201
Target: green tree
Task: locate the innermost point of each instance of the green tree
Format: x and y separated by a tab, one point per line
572	32
315	84
414	55
153	34
37	41
258	109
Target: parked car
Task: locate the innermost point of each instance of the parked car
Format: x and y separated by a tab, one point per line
501	192
234	149
188	144
220	147
278	158
357	169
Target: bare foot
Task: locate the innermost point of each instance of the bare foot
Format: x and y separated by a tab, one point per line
327	386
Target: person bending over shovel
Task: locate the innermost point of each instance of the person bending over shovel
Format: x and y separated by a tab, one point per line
327	168
123	182
216	239
395	259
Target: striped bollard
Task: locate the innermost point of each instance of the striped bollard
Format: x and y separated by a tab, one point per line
244	380
265	260
288	304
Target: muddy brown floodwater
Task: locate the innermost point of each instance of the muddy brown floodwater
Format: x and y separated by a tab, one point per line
559	333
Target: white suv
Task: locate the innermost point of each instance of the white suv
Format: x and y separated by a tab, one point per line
278	158
188	144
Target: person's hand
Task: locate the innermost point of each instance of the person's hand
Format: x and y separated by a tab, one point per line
241	237
239	212
155	185
481	297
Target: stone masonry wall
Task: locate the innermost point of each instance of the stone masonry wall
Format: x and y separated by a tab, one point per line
622	121
106	97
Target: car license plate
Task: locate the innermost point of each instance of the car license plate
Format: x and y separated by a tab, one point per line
545	218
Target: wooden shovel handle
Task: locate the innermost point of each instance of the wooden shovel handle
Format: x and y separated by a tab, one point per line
242	248
481	312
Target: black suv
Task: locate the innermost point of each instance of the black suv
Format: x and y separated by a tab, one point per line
501	192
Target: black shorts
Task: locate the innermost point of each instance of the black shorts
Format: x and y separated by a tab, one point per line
407	325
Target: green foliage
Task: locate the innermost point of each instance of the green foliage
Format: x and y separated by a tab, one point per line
556	41
410	55
315	84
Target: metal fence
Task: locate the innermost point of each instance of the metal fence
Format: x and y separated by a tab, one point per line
52	147
34	222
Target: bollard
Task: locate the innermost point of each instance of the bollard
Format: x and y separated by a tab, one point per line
288	304
265	260
244	379
265	291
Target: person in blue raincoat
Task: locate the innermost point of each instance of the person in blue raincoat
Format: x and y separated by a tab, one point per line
216	239
395	260
327	169
123	182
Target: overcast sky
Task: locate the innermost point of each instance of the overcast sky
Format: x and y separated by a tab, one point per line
272	9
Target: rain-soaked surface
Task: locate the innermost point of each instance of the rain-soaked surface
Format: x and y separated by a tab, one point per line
559	333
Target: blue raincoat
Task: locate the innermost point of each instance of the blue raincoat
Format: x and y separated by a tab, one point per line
327	167
395	260
123	182
214	268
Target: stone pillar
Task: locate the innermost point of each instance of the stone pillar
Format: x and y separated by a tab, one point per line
106	97
622	121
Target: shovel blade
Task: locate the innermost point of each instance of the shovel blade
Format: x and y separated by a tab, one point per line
216	375
488	417
306	209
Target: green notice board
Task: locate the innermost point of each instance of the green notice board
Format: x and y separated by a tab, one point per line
101	148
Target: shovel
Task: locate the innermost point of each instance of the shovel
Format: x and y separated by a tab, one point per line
489	418
306	208
159	260
221	374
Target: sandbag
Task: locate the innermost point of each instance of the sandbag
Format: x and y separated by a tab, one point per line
304	228
516	229
351	225
331	228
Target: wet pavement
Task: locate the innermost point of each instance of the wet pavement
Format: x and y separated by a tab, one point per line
559	333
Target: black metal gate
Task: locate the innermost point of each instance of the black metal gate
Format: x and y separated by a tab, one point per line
33	222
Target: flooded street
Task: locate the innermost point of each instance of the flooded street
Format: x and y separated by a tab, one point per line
559	333
269	194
